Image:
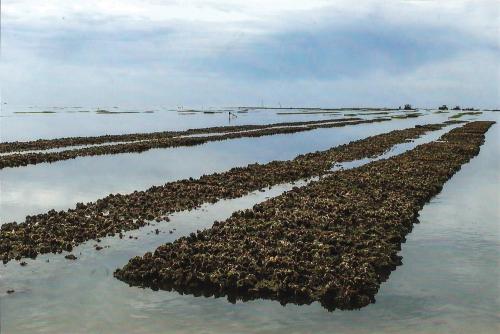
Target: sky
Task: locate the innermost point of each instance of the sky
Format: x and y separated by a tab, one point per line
242	52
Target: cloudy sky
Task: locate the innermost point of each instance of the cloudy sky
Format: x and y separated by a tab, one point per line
245	52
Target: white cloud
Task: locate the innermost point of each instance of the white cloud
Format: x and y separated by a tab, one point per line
144	52
478	17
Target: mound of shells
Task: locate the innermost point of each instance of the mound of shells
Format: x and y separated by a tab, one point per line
57	231
333	241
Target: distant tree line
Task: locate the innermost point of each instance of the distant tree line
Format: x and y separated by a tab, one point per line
443	107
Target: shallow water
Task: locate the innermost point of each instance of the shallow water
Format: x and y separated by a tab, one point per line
396	149
27	122
62	184
448	281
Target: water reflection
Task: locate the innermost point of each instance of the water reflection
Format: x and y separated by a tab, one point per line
15	126
396	149
62	184
448	281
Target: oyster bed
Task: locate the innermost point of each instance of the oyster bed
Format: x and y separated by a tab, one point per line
32	158
333	241
56	231
45	144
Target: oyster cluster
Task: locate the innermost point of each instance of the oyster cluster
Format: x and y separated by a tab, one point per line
333	241
57	231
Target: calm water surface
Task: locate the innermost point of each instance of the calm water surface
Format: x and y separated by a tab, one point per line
29	122
62	184
448	281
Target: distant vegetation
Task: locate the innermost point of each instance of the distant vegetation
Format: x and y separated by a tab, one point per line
444	107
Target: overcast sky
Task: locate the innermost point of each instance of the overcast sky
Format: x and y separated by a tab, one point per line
242	52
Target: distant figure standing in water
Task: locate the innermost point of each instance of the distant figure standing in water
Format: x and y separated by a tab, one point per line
229	114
